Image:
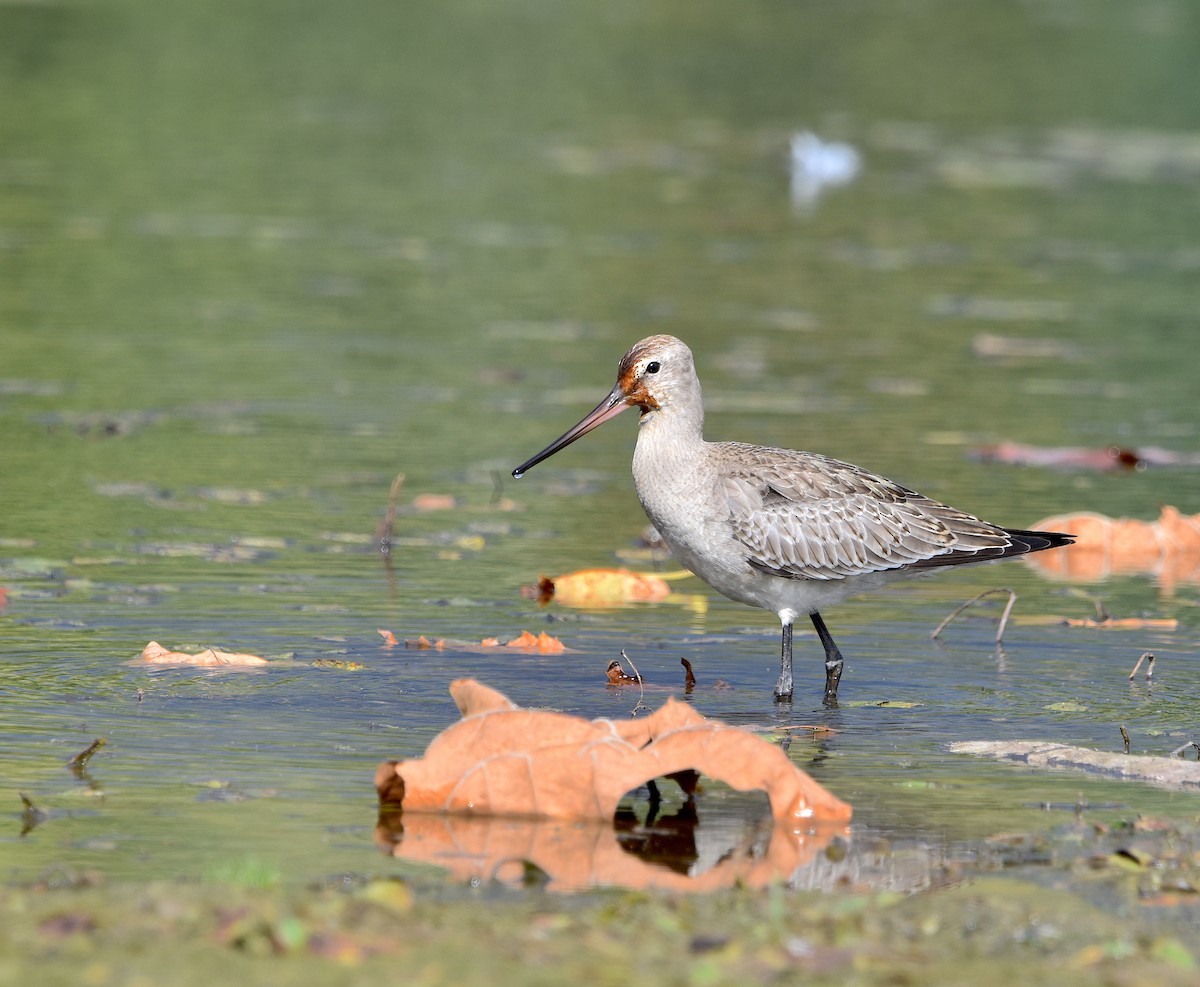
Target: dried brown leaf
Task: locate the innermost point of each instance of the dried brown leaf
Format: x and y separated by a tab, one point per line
510	761
618	676
543	643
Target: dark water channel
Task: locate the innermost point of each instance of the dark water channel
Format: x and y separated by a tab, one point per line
257	260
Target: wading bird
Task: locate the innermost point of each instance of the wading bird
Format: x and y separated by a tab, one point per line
791	532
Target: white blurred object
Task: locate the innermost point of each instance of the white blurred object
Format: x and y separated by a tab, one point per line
816	165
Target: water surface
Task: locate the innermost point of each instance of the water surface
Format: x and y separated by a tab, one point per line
258	260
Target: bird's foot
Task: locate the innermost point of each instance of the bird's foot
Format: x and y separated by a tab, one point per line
833	676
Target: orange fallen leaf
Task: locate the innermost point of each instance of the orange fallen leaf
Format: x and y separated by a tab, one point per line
1168	549
389	638
543	643
601	588
155	654
434	502
502	760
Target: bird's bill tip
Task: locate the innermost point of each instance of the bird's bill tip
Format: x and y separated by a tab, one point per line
612	405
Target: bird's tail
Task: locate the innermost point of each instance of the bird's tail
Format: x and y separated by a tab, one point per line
1024	542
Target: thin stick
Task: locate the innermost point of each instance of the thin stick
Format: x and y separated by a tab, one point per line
1012	599
383	533
1124	736
1178	752
641	686
1149	659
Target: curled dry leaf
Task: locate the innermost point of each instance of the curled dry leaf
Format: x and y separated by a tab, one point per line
542	644
389	639
502	760
600	588
1168	549
618	676
155	654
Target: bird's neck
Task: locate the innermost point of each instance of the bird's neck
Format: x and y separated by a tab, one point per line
670	440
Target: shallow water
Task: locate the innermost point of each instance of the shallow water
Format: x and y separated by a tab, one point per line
251	279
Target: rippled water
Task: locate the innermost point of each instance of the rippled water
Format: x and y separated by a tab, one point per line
250	280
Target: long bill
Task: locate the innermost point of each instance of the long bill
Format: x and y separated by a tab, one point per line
610	407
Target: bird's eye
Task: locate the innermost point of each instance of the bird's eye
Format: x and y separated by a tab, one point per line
653	367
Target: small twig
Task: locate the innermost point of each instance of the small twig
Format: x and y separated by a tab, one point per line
78	764
383	533
1124	736
690	679
1179	751
1149	659
1012	599
640	705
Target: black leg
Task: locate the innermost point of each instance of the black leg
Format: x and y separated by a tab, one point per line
833	660
783	688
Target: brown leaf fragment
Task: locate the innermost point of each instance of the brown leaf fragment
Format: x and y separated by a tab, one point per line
689	682
511	761
389	639
155	654
618	676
